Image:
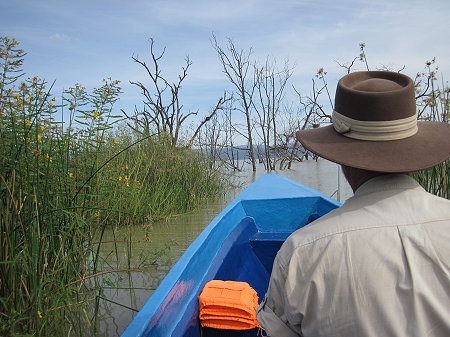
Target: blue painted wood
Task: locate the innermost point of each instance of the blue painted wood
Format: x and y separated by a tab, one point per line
239	244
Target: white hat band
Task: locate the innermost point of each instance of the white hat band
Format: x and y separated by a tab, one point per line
375	130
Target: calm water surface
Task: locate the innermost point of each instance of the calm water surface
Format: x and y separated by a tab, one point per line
156	248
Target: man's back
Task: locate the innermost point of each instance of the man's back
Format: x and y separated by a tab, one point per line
379	266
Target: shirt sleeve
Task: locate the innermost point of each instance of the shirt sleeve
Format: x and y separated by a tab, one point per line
271	313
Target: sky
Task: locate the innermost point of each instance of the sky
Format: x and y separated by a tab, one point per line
85	41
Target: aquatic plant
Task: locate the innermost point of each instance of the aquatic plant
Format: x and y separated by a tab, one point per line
69	174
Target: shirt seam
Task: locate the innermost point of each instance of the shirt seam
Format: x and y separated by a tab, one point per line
299	246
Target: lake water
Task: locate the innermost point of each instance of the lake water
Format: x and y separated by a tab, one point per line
154	249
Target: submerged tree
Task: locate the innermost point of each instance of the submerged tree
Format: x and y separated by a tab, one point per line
237	67
163	111
259	92
270	86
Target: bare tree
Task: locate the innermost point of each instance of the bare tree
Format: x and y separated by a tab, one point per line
432	99
208	141
361	57
162	109
216	140
237	68
218	107
312	107
270	88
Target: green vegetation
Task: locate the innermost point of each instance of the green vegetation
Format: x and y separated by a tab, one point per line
433	103
70	171
436	179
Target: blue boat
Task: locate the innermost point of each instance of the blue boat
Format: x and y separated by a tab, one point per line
240	244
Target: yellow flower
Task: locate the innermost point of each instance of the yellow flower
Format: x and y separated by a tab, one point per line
70	174
42	128
39	138
17	97
125	166
127	181
27	122
120	178
95	114
114	141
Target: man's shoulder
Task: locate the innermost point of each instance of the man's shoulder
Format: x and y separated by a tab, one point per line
368	212
334	223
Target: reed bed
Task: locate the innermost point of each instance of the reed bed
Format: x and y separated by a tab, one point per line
436	179
68	174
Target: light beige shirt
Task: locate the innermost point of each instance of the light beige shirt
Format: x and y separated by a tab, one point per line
377	266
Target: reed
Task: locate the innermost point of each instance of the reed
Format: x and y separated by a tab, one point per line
436	179
63	183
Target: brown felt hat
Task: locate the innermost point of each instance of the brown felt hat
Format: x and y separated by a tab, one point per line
375	126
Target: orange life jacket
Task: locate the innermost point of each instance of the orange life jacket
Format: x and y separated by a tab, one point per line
228	305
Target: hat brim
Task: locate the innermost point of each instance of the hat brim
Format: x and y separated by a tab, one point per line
428	147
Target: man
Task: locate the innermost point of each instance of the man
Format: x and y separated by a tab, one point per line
380	264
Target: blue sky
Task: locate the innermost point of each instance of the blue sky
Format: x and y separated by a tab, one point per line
86	41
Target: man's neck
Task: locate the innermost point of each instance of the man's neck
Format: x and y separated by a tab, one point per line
356	177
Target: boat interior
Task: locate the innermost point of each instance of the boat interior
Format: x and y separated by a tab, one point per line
246	253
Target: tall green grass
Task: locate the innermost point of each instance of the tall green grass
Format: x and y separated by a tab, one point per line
68	175
436	180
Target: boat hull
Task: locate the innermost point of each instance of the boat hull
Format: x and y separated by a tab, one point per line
240	244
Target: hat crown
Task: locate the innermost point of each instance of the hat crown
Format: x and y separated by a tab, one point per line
377	85
375	96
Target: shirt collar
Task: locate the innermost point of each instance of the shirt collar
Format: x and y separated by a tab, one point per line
387	182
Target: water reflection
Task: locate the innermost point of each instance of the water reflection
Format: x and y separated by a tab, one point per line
154	249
